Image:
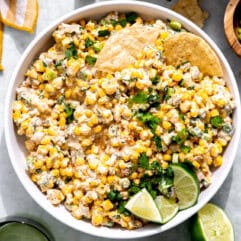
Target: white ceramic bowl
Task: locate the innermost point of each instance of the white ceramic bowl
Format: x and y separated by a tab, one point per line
15	144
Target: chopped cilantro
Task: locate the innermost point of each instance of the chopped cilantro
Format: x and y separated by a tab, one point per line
38	171
185	149
88	43
155	165
182	116
58	63
181	136
149	120
131	17
143	161
71	52
191	87
155	80
158	142
90	59
60	100
114	195
139	98
69	110
123	22
67	180
113	22
216	121
165	183
133	189
103	33
97	46
44	64
168	93
154	100
181	83
122	210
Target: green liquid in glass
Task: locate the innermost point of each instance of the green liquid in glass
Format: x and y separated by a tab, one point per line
20	232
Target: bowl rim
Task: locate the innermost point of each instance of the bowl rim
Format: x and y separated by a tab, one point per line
104	232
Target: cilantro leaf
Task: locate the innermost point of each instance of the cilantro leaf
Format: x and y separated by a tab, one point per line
123	22
143	161
216	121
103	33
155	79
185	149
139	98
90	59
131	17
88	43
181	136
71	52
122	210
149	120
58	63
168	92
158	142
154	100
69	110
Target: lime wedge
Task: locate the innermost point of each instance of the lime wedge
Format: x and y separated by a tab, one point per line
186	186
211	224
168	208
143	206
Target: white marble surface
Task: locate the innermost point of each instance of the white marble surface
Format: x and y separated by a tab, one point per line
14	200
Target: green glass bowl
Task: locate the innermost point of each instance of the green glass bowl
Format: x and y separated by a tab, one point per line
22	229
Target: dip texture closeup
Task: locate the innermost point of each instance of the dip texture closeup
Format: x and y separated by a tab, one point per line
105	116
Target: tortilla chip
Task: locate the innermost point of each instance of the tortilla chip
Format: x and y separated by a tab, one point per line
123	47
189	47
191	10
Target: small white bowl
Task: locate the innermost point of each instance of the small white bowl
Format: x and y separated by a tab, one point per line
15	144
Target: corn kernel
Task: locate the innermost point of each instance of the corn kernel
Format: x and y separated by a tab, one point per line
118	27
164	165
134	175
166	125
164	35
93	163
97	220
68	93
55	172
62	122
38	164
167	157
107	205
34	177
196	164
46	140
16	115
98	129
110	179
177	76
218	161
214	112
66	189
79	161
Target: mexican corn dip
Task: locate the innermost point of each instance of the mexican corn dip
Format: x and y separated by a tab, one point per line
94	138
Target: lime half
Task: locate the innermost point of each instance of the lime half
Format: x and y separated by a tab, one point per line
143	206
186	186
211	224
168	208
